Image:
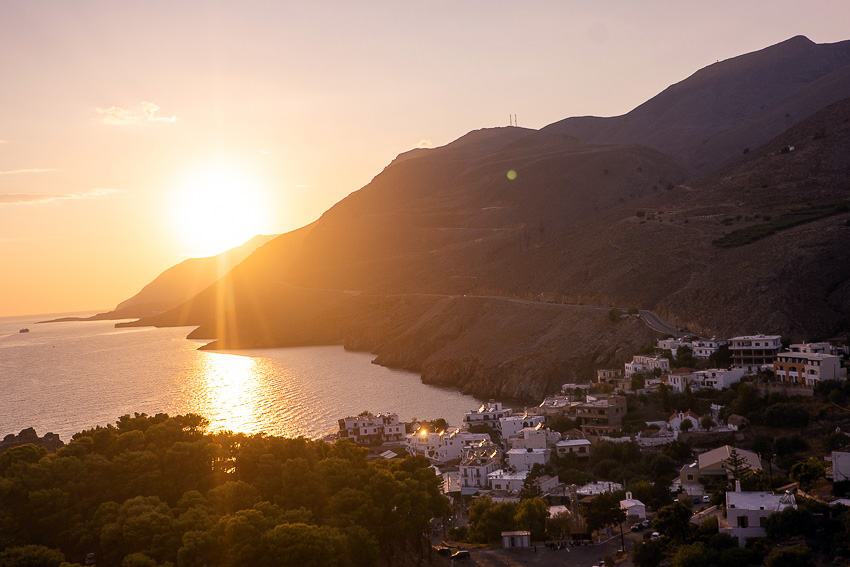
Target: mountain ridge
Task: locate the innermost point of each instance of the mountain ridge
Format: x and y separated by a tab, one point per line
501	287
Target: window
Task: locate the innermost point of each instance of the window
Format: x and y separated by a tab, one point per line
743	522
690	477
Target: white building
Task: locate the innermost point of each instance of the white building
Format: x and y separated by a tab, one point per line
634	508
581	448
807	369
534	438
675	420
643	363
711	379
372	429
489	414
512	481
673	345
513	424
840	466
525	459
718	378
595	488
704	348
442	446
477	462
747	513
516	540
554	405
817	348
751	352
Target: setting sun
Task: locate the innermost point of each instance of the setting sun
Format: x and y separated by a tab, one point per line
217	208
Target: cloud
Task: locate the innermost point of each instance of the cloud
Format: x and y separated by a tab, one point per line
117	116
31	170
150	109
424	144
40	198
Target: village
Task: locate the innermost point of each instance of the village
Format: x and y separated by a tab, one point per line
732	449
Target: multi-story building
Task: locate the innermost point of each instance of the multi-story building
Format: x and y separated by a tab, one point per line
601	416
818	348
607	375
534	438
644	363
512	425
747	513
489	414
713	378
525	459
754	351
442	446
554	406
371	429
512	481
672	345
479	460
704	348
579	447
807	369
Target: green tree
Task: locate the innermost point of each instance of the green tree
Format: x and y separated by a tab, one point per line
797	556
686	425
736	466
31	556
487	520
808	471
531	515
707	422
648	553
605	511
674	521
694	555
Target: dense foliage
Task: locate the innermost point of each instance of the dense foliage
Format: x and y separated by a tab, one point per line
159	490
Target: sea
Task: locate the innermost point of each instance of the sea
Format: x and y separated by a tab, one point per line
71	376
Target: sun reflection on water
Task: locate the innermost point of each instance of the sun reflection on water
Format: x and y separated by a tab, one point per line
230	392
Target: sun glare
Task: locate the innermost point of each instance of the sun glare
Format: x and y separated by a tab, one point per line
218	208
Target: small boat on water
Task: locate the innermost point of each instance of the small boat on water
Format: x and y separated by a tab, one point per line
24	330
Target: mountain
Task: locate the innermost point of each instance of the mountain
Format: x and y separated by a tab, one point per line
710	117
179	283
502	284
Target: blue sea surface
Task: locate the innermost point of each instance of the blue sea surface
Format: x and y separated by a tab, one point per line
66	377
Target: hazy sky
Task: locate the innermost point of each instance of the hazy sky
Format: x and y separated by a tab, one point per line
114	115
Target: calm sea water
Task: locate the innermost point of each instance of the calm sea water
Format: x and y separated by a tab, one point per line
65	377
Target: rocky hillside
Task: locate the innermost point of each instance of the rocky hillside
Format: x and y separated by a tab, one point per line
491	263
710	117
179	283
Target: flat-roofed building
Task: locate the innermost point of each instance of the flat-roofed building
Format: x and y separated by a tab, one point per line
370	429
807	369
601	416
751	352
488	414
578	447
648	364
747	513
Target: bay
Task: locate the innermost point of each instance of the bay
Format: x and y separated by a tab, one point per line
70	376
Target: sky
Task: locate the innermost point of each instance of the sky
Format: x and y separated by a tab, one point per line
134	135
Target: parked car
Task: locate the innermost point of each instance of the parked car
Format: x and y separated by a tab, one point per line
706	499
655	535
637	527
461	554
443	550
646	523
